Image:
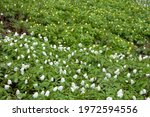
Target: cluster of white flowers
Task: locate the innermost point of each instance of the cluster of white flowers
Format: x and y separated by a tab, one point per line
24	67
73	87
81	79
117	56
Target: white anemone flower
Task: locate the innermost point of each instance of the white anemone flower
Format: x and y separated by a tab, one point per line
42	92
9	82
109	98
47	93
17	92
62	80
75	76
42	77
55	89
120	93
143	92
35	95
60	88
6	87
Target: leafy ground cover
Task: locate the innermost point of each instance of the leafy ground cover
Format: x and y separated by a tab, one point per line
74	49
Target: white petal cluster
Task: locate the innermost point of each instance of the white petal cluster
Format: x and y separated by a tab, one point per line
109	98
47	93
74	87
120	93
24	67
35	95
143	92
42	77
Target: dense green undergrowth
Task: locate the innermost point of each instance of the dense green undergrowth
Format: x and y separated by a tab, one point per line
74	49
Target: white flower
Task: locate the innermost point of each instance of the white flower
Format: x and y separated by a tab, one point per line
16	50
80	44
128	75
132	81
43	47
75	76
44	53
105	78
115	77
108	75
26	81
85	76
74	87
62	80
17	92
35	85
39	35
117	72
45	62
120	93
6	75
64	62
16	34
47	93
35	95
98	65
42	77
42	92
50	63
124	66
21	45
64	72
143	91
15	69
133	97
54	46
82	82
77	61
22	71
92	86
135	71
26	45
78	71
147	75
82	90
32	33
11	44
41	67
37	61
6	87
9	64
109	98
87	86
60	88
98	88
52	79
55	89
92	79
35	43
9	82
140	58
103	70
45	39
